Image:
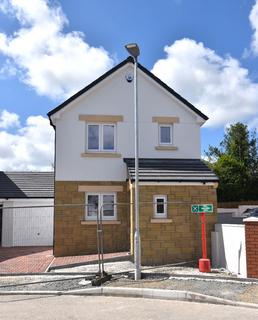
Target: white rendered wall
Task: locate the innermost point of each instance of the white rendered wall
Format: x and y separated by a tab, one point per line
228	248
27	226
114	96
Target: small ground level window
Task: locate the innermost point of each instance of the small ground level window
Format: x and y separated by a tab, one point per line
160	206
102	203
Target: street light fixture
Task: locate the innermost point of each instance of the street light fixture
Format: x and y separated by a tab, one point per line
134	51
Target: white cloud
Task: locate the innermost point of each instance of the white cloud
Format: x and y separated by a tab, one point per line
217	85
54	63
31	147
9	119
253	18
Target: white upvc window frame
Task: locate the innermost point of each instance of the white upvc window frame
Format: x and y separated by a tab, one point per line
101	137
100	203
171	134
155	206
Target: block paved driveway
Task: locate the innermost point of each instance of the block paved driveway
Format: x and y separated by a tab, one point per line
38	259
25	259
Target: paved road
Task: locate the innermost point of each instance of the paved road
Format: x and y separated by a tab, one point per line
100	308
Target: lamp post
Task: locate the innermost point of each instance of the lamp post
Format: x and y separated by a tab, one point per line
134	51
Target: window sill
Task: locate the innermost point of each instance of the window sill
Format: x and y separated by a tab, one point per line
158	220
101	154
94	222
166	148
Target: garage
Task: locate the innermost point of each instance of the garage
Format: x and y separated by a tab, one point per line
26	208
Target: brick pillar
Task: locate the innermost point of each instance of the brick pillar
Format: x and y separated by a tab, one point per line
251	240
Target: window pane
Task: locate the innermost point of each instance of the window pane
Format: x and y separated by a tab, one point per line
108	205
108	137
93	204
93	137
165	134
160	206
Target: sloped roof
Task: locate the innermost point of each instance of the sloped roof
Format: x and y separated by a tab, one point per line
26	184
111	71
171	170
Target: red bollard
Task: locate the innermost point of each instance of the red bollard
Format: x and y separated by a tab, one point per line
204	263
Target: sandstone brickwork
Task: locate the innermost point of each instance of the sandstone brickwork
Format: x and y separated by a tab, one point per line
71	237
179	240
175	240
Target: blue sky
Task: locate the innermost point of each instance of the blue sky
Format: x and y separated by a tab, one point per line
210	58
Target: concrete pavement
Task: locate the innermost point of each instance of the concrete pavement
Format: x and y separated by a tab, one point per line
99	308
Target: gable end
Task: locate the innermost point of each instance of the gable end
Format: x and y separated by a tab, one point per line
110	72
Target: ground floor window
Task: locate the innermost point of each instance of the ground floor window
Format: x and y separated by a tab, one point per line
104	203
160	206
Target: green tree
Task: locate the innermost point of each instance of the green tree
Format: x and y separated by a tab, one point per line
235	162
253	153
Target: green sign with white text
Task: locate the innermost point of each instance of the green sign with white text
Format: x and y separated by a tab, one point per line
200	208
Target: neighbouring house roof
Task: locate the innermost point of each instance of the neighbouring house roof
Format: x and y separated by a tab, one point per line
111	71
26	184
171	170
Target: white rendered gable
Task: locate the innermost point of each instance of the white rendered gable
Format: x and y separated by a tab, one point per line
114	96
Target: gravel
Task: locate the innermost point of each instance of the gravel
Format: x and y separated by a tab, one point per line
44	283
218	283
125	266
110	267
227	289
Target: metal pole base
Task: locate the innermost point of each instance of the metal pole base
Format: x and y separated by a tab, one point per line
101	279
137	255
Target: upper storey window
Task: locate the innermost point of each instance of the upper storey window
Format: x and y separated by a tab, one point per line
165	134
101	137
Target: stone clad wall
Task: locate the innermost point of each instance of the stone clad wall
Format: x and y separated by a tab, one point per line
180	239
73	238
175	240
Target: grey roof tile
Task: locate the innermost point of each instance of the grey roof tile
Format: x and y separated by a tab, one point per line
171	170
26	184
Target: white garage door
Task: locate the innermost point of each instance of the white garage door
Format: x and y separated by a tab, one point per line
28	226
33	227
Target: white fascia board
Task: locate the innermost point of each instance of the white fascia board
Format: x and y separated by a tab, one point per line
26	200
164	183
27	203
227	210
251	219
198	118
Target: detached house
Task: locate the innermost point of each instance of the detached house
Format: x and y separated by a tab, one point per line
94	165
